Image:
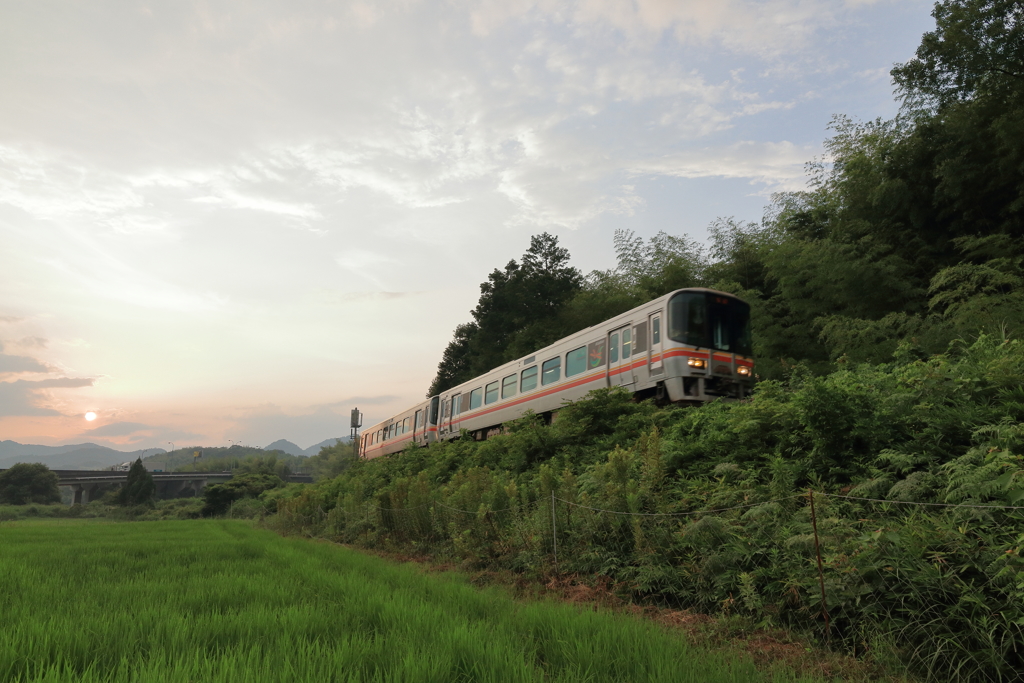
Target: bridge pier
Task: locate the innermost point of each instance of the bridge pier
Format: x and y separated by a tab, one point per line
81	493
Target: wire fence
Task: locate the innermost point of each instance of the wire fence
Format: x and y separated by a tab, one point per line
938	586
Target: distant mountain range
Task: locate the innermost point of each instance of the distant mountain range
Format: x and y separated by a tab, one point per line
90	456
82	456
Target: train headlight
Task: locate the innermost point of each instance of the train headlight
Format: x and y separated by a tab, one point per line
743	370
695	362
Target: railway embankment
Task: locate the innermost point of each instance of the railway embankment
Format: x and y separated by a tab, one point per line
877	509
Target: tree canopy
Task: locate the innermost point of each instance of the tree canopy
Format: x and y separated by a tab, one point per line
139	487
513	314
27	483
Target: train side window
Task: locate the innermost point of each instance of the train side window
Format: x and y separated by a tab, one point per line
405	426
627	336
640	338
475	398
457	405
551	371
595	354
576	361
613	348
491	393
656	331
418	420
529	379
508	386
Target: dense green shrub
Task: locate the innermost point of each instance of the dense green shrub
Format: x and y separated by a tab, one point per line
219	498
26	483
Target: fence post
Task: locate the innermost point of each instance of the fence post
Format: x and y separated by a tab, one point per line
821	575
554	530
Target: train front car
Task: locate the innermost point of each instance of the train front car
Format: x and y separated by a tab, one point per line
708	351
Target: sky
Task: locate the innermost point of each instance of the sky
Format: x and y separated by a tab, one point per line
233	222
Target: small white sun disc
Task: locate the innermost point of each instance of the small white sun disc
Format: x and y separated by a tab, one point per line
90	416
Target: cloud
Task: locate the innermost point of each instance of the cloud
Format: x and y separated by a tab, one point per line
336	297
23	398
365	400
765	28
33	342
10	363
779	166
118	429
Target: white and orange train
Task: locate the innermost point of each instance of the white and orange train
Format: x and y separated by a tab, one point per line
690	345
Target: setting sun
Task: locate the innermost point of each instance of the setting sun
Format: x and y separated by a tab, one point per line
90	416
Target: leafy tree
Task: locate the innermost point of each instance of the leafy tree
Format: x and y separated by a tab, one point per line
138	489
513	315
456	361
977	49
333	460
664	263
26	483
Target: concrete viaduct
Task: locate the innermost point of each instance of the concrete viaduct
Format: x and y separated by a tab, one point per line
85	483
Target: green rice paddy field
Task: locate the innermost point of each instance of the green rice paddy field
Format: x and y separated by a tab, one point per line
88	600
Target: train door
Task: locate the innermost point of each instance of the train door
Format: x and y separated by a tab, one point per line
657	364
432	419
444	418
453	424
620	348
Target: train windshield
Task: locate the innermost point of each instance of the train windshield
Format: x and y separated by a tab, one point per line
711	321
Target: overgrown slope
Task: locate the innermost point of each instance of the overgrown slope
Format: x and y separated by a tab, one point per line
707	507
